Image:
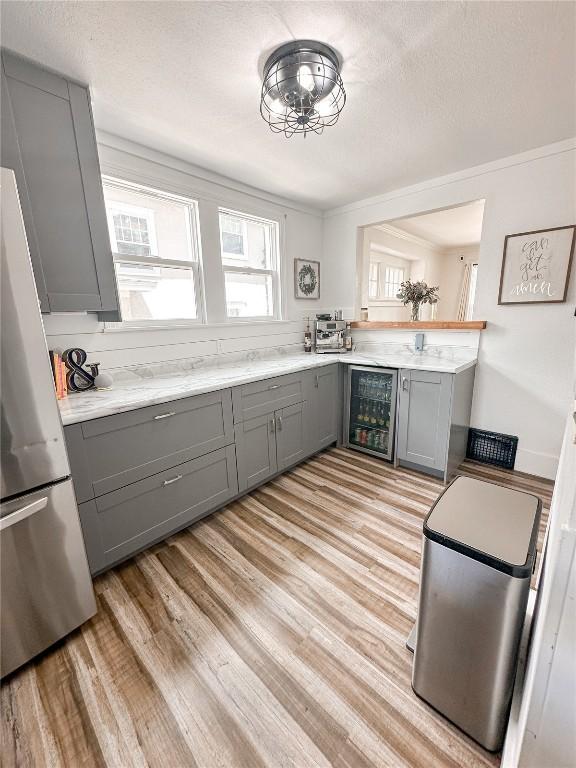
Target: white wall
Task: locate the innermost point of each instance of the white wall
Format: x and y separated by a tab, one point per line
523	380
301	233
450	278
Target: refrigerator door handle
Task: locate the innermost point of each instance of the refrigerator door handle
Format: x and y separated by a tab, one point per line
23	513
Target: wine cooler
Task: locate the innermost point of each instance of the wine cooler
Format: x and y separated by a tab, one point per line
371	410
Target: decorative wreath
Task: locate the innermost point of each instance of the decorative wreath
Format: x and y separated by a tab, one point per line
307	279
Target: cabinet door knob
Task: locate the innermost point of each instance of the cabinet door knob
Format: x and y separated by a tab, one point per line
405	383
279	420
316	381
272	425
172	480
164	415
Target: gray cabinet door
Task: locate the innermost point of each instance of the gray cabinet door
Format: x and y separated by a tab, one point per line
291	435
324	408
119	524
424	418
255	450
48	140
117	450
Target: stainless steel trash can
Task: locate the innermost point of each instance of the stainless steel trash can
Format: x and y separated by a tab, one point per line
478	556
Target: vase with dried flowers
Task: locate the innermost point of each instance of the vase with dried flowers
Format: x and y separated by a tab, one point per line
416	294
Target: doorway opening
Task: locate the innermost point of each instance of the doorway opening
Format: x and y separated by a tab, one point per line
440	248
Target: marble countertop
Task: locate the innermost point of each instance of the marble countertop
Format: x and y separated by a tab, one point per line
154	389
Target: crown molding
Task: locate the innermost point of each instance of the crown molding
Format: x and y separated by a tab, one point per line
401	234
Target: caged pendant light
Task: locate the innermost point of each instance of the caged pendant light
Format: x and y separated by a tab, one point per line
302	89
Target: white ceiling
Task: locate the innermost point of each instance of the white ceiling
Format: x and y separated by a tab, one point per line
433	87
447	228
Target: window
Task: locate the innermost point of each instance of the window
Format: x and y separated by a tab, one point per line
374	280
471	291
393	276
249	249
155	245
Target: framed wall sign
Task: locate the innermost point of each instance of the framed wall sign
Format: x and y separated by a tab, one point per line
536	266
306	279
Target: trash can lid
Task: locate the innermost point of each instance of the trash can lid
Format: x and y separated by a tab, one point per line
488	522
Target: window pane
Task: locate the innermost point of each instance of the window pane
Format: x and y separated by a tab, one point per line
247	242
393	276
144	223
248	295
150	292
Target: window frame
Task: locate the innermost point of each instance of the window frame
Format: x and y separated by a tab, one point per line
275	272
194	264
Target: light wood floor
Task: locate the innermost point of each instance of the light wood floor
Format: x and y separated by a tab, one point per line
269	634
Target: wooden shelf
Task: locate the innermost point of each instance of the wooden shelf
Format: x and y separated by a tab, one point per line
430	325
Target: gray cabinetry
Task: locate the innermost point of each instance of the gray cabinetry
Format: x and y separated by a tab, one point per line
433	419
255	450
291	435
325	408
111	452
260	397
118	524
270	443
48	140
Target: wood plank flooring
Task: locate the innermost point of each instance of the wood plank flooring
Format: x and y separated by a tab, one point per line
269	634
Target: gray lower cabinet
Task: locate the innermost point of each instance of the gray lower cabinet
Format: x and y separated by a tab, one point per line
433	419
292	443
118	524
271	443
325	409
48	140
255	450
113	451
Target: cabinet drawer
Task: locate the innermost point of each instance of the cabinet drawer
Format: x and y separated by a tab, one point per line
111	452
261	397
121	523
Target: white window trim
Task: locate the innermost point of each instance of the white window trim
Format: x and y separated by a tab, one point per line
276	258
194	264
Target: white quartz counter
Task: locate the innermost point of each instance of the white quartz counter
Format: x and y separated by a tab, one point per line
153	389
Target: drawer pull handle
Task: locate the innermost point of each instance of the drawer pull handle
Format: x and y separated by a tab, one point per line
274	386
164	415
172	480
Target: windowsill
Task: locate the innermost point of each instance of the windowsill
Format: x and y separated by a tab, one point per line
121	328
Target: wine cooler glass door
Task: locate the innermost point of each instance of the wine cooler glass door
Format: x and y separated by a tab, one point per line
371	415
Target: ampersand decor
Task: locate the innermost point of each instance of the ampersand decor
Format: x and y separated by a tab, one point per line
77	378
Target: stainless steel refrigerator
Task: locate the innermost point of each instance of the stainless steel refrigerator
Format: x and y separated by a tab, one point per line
370	416
45	584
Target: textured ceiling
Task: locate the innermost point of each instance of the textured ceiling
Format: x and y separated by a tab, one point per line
447	228
432	87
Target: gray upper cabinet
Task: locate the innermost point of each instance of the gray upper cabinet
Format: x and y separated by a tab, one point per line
433	420
48	140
